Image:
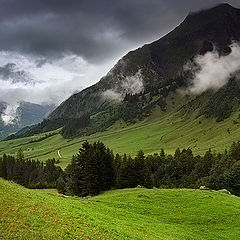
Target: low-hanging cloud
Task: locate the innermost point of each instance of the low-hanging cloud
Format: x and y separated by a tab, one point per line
125	84
50	49
10	115
48	83
213	71
31	79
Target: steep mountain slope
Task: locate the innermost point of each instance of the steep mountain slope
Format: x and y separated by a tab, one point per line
144	78
30	113
162	60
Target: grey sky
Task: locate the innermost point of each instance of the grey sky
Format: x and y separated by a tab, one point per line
95	29
66	45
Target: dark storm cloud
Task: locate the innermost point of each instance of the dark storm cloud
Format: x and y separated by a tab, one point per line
95	29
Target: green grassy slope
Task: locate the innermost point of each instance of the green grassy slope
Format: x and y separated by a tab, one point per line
152	134
118	214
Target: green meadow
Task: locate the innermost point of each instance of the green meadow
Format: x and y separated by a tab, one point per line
155	132
118	214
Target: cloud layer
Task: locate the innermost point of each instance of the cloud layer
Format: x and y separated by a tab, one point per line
129	84
49	82
212	71
52	48
32	79
96	30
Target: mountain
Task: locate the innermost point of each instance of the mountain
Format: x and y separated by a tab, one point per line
12	120
10	73
145	78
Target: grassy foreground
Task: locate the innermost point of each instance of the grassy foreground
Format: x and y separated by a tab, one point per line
118	214
169	132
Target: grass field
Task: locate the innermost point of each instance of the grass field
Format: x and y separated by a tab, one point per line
152	134
118	214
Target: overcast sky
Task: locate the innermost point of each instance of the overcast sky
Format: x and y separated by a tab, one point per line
58	47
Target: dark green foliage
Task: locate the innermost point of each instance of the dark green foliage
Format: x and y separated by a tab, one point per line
91	170
142	170
131	98
95	169
29	173
232	178
20	155
213	170
216	171
132	172
221	104
61	185
72	126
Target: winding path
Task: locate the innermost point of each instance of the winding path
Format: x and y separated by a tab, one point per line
59	154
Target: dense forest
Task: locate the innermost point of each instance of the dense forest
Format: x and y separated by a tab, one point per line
95	169
30	173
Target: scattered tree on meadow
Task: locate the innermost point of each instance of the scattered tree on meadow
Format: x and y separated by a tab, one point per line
91	170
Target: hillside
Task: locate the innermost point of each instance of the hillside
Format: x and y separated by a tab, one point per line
145	78
152	134
131	214
161	61
159	116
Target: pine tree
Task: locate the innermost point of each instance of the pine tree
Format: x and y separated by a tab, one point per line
162	153
61	185
142	170
20	155
91	170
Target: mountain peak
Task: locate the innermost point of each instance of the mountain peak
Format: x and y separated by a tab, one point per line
224	5
218	9
215	19
156	66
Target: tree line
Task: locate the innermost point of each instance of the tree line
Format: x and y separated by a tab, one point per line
95	169
30	173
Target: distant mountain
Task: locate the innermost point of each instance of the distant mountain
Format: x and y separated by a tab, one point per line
144	78
24	115
9	72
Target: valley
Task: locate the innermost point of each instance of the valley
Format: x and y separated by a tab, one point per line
169	132
151	150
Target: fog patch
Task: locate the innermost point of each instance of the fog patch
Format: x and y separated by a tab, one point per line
129	84
133	84
9	115
212	71
110	94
